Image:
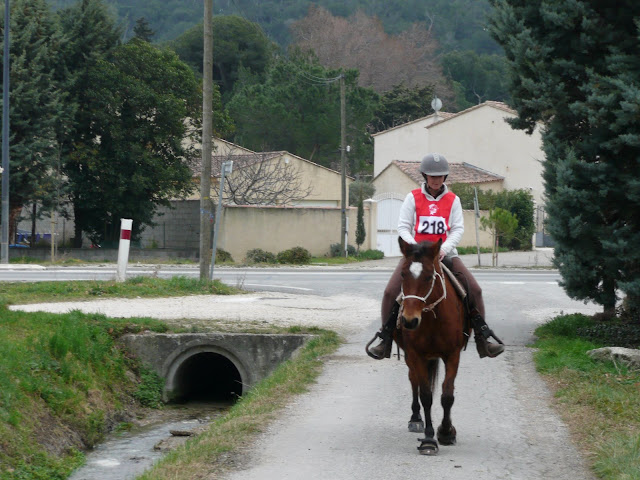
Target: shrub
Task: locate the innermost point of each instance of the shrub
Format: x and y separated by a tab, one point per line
296	255
257	255
223	256
371	255
335	250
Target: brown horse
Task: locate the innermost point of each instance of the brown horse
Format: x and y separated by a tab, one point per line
431	327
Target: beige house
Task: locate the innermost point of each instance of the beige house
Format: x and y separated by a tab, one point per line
481	148
306	213
302	182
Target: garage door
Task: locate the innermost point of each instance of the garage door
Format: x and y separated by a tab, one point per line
388	211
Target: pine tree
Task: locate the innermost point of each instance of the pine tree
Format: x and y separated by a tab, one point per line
36	103
574	68
142	30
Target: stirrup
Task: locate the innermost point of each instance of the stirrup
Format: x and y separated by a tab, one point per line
386	343
487	333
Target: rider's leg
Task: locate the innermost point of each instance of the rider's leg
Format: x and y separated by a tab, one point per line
389	316
482	331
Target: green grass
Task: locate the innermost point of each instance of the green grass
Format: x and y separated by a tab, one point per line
599	400
37	292
206	454
64	373
59	373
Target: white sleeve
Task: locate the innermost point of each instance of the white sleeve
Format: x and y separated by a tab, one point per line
407	218
456	222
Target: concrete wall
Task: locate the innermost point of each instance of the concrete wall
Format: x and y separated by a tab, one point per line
255	356
270	228
275	229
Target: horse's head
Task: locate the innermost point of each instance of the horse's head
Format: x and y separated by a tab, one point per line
418	279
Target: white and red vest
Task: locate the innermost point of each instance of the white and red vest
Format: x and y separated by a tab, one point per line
432	216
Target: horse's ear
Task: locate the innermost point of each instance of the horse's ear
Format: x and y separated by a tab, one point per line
436	247
404	246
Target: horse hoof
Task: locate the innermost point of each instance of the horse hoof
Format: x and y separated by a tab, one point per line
416	427
447	438
428	446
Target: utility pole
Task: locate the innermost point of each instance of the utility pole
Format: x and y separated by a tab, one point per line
4	240
343	162
206	206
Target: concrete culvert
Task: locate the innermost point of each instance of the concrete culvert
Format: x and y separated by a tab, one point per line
207	377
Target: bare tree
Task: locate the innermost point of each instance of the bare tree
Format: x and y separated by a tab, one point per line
383	60
261	179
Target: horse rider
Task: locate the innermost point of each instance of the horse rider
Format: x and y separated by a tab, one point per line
433	212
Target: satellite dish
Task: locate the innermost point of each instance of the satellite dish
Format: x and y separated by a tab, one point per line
436	104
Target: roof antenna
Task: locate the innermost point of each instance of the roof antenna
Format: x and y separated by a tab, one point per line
436	104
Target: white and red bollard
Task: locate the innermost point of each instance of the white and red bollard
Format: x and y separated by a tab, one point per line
123	248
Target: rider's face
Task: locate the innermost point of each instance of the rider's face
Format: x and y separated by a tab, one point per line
435	183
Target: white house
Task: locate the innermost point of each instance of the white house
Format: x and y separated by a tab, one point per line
478	137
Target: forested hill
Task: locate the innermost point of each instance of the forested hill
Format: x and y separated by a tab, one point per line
458	24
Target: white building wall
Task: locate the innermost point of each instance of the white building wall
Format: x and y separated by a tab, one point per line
405	142
482	138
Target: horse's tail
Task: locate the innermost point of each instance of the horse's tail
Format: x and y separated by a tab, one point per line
432	370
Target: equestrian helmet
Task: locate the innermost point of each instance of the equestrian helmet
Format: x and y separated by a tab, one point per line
435	165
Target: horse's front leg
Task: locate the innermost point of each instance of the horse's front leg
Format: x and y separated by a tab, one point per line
416	424
446	430
428	444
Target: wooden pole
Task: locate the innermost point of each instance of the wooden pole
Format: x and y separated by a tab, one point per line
206	206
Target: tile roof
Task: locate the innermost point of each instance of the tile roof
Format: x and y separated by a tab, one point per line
489	103
458	172
239	161
444	116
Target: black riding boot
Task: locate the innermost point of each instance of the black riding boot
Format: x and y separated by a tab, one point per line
482	334
385	334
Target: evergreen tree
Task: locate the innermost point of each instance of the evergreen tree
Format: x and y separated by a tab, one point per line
401	105
360	231
297	108
37	107
238	44
574	68
142	30
144	97
91	34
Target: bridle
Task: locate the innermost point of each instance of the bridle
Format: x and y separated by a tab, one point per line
433	305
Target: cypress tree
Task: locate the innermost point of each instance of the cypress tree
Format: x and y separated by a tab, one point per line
36	103
360	231
574	69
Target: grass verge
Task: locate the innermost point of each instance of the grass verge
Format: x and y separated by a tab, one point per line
600	401
21	293
63	384
226	438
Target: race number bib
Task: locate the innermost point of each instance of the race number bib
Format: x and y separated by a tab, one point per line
432	225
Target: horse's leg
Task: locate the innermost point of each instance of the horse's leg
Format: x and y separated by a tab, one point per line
428	444
415	423
446	430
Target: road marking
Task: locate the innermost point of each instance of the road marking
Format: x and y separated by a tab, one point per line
512	283
276	286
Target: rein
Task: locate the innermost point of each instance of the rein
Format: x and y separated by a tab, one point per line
433	305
